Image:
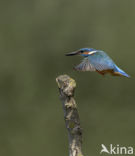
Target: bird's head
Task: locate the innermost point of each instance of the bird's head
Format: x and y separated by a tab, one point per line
83	52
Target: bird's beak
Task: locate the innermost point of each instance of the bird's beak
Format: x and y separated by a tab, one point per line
73	53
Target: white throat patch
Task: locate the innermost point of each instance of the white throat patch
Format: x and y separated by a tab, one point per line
92	52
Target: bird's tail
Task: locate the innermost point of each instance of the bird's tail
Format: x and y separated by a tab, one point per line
120	72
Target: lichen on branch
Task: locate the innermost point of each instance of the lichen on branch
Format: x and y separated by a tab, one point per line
66	87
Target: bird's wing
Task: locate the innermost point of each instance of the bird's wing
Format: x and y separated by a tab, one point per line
85	66
101	61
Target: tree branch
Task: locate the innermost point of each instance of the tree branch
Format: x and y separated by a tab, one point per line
66	88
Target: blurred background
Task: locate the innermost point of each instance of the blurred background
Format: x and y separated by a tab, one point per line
34	37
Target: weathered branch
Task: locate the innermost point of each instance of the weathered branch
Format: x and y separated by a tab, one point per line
66	88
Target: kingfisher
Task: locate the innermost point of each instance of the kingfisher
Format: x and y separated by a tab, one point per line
97	60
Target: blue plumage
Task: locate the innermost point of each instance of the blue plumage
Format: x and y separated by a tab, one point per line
117	69
97	60
101	61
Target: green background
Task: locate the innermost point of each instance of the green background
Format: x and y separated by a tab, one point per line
34	37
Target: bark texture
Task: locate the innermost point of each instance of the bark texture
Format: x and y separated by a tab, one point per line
66	87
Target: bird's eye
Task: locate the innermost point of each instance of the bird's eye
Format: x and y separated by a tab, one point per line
81	51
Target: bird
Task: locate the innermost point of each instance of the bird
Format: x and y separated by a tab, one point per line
97	60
